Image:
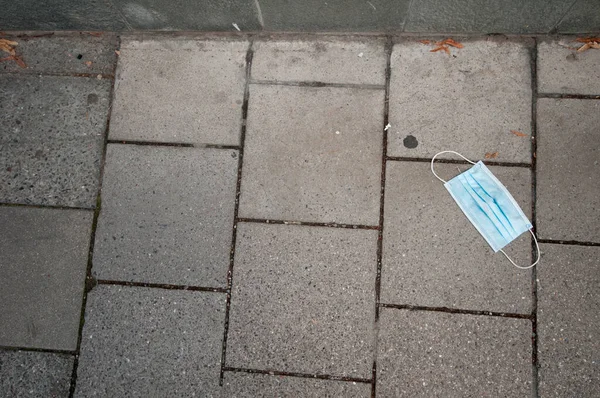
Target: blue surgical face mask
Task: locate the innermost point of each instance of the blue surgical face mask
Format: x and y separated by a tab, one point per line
489	206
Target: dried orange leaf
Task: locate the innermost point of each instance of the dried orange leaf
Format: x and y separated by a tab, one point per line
584	47
452	43
437	49
595	45
491	155
588	39
8	46
88	63
518	133
19	61
425	41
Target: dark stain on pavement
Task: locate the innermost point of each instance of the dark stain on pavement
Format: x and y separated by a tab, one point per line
410	142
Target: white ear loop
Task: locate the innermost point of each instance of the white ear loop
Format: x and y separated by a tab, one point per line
537	246
537	260
439	153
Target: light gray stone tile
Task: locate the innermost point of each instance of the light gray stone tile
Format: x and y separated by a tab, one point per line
179	90
43	257
431	354
433	256
303	299
468	101
167	215
568	163
313	154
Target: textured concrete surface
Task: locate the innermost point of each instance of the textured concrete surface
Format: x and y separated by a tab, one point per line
190	15
561	69
60	173
35	374
51	130
468	101
175	350
569	321
334	15
60	15
583	17
486	16
439	16
61	54
259	385
160	85
432	254
302	299
335	61
568	201
167	215
306	158
427	354
43	257
50	108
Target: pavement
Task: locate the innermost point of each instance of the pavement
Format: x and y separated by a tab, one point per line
255	215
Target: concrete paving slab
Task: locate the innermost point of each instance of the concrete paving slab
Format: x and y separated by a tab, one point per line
259	385
66	53
167	215
179	90
59	173
334	15
561	69
434	354
35	374
432	254
189	15
468	101
313	154
44	256
150	342
511	16
51	134
569	321
49	108
568	163
61	15
302	299
584	16
331	60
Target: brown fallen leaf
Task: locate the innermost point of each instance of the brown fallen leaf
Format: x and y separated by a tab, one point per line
95	34
518	133
589	42
491	155
15	58
585	47
425	41
588	39
88	63
445	48
8	46
443	45
19	61
452	43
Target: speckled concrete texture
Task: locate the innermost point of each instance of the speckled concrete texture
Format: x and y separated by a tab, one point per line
302	299
166	215
35	374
